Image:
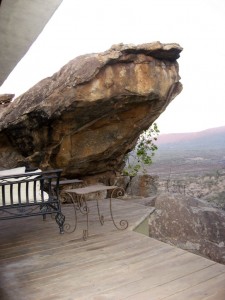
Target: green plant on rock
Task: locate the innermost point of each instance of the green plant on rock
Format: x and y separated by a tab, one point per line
141	156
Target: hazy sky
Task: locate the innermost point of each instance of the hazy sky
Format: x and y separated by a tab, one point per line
87	26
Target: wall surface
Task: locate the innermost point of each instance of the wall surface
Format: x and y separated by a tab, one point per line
21	21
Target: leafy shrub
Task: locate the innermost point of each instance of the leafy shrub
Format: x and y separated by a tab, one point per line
141	155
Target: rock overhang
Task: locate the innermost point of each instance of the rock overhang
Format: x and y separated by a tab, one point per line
87	116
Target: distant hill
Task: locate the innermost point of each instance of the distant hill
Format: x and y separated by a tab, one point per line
195	153
210	138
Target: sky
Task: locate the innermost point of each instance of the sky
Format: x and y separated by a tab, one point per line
88	26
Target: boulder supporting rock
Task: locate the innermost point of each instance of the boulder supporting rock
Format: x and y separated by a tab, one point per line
189	223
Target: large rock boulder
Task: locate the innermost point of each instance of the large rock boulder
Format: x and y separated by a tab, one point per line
5	99
143	185
189	223
87	116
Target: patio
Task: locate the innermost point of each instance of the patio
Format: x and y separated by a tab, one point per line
36	262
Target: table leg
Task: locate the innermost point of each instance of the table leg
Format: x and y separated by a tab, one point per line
83	208
79	203
67	226
116	193
100	216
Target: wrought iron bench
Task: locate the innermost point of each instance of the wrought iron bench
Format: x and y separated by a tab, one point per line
26	194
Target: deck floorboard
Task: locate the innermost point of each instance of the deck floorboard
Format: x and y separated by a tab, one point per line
37	263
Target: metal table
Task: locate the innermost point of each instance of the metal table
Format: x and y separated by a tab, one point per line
79	202
68	181
64	182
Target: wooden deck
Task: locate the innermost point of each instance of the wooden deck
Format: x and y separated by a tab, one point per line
36	262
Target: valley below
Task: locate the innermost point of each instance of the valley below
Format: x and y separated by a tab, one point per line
192	164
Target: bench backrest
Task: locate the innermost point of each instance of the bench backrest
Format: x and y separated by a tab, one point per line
29	188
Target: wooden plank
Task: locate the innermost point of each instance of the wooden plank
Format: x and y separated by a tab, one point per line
210	287
166	280
157	275
107	249
124	280
38	263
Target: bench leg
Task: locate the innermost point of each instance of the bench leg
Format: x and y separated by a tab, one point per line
60	219
43	209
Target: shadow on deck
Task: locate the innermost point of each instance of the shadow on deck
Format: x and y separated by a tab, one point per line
36	262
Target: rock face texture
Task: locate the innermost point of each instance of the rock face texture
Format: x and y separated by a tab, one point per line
87	116
5	99
189	223
143	185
